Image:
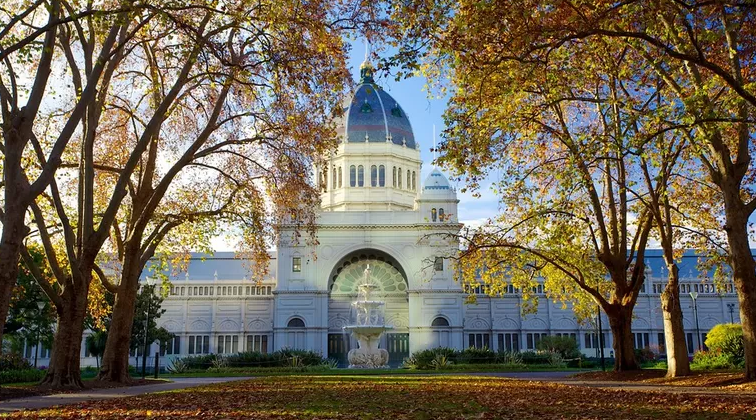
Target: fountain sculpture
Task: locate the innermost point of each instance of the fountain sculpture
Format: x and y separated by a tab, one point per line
368	327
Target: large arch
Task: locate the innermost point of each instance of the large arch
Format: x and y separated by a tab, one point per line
387	272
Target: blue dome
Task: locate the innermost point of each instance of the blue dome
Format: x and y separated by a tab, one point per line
373	114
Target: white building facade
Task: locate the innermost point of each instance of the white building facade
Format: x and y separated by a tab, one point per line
375	211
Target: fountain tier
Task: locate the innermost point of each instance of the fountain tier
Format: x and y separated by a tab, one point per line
368	327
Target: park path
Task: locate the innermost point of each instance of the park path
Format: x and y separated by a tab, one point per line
45	401
565	378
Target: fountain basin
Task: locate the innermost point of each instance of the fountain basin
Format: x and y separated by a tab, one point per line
367	329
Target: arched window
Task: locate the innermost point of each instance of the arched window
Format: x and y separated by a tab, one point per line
360	176
381	176
333	179
440	215
373	176
295	323
414	181
393	176
409	179
433	215
399	179
352	176
340	184
324	179
440	321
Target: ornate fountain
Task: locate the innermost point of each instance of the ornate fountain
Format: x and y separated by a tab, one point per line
368	327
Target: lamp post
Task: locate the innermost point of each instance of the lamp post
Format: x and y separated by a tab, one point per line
40	306
694	296
601	339
731	308
146	327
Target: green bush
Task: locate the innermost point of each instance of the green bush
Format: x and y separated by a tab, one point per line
281	369
535	358
279	358
727	339
475	356
202	361
21	375
509	358
707	360
423	359
13	361
304	357
441	362
567	347
644	355
177	366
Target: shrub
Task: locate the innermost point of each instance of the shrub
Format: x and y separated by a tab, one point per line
510	358
535	358
220	362
567	347
441	361
727	339
177	366
476	356
203	361
556	360
279	358
423	359
644	355
13	361
707	360
304	357
21	375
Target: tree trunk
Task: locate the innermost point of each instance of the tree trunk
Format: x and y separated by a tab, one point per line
65	362
620	320
10	248
674	332
13	234
744	277
115	360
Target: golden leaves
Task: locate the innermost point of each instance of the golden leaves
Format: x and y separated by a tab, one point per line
405	397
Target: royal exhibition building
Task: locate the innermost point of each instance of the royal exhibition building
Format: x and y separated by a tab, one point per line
376	212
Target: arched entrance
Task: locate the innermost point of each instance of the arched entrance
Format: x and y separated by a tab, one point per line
389	275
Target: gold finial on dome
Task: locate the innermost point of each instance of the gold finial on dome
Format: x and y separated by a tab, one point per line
366	68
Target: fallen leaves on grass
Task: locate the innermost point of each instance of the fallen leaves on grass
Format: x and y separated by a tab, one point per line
716	380
403	397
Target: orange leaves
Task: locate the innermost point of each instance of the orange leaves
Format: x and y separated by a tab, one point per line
404	397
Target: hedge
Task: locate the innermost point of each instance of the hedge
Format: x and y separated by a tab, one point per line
21	375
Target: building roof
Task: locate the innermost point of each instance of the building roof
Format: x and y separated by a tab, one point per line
218	266
436	181
372	115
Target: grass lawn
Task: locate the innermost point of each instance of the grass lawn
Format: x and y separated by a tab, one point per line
405	397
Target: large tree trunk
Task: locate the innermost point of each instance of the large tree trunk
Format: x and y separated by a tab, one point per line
115	360
744	276
620	320
13	226
674	332
65	363
10	250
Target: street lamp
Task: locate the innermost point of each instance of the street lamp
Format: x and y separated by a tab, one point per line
694	296
601	338
40	306
149	282
731	308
